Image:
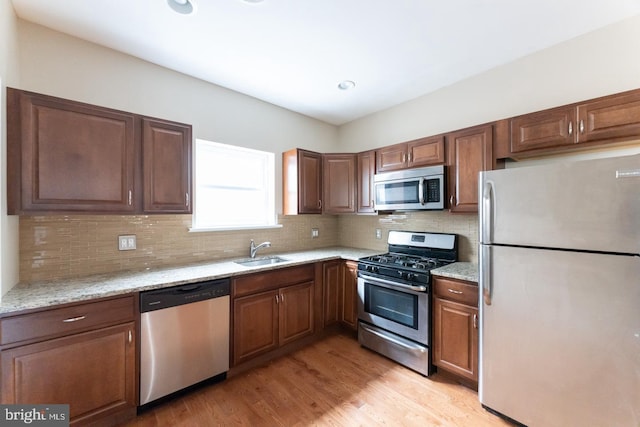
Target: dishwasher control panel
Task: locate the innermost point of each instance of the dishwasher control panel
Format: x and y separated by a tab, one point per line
183	294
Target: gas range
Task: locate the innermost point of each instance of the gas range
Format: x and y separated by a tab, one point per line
394	301
411	257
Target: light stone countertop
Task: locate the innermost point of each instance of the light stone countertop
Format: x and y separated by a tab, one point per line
458	270
44	294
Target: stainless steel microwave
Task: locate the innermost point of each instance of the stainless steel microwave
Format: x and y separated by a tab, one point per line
410	189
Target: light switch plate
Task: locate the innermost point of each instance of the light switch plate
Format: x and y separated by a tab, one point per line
127	242
314	233
378	233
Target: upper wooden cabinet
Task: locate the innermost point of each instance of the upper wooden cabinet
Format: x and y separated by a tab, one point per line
166	152
609	119
420	152
469	152
302	182
67	156
339	184
366	169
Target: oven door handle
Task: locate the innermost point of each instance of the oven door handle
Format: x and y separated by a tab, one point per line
415	348
401	286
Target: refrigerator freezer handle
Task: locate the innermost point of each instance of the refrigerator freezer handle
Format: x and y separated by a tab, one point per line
485	273
486	213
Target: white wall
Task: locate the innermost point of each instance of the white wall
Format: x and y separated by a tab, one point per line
60	65
9	76
596	64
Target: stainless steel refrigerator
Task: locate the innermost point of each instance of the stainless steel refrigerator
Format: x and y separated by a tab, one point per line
560	293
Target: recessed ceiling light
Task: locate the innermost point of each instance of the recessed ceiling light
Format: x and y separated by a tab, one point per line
253	1
346	85
184	7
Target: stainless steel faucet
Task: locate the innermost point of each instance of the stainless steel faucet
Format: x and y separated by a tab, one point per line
255	248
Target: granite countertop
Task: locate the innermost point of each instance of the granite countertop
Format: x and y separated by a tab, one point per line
44	294
458	270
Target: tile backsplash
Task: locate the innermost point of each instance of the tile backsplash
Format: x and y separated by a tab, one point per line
65	246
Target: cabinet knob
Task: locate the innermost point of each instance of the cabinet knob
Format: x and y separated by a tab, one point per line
186	199
475	321
452	199
570	128
130	197
581	126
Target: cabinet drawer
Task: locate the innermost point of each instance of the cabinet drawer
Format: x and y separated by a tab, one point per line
250	284
456	290
67	320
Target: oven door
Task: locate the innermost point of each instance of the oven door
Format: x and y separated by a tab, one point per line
396	307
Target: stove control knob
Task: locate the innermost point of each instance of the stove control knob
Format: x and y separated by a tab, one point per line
410	276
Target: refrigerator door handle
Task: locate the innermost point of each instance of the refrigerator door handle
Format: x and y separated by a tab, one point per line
485	273
486	214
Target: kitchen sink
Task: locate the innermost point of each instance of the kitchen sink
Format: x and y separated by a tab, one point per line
255	262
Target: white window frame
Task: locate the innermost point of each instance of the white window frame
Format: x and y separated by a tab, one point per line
263	169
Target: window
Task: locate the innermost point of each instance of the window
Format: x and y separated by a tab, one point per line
234	187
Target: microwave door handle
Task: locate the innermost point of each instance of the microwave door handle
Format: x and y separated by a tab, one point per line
421	190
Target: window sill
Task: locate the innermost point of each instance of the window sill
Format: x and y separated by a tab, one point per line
237	228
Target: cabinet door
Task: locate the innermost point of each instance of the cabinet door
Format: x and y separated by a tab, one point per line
611	118
546	129
456	338
470	151
94	371
365	189
331	291
296	312
310	186
166	150
349	285
426	151
339	185
69	156
255	325
302	182
391	158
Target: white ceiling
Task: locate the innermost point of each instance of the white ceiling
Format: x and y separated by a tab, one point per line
293	53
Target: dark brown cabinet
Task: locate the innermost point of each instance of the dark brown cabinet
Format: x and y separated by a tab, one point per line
366	169
270	310
469	152
302	182
420	152
349	294
331	289
67	156
339	184
82	355
608	119
455	326
340	293
166	152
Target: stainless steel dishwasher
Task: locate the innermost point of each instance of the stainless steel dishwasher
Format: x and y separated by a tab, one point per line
185	337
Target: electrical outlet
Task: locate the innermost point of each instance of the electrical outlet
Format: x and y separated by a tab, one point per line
314	233
127	243
378	233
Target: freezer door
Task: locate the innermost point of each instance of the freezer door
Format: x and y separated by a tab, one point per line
560	342
585	205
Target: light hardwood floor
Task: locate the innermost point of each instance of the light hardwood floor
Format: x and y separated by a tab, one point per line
333	382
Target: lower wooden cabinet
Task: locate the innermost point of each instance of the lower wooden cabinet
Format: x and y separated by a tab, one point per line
271	309
93	371
340	293
455	327
349	293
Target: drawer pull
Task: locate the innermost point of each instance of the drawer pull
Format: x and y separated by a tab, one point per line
73	319
453	291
